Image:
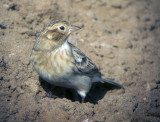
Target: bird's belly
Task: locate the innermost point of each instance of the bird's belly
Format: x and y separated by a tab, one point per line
56	78
56	69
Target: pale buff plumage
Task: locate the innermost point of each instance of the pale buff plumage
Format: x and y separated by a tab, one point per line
60	63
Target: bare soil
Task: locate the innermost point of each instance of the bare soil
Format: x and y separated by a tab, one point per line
121	36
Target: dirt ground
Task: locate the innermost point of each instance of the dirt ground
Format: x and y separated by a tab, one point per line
121	36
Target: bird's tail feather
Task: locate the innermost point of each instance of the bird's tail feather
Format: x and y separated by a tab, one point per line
110	81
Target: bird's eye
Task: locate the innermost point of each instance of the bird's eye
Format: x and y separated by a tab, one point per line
62	27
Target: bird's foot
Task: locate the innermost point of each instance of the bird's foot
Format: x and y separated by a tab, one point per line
50	95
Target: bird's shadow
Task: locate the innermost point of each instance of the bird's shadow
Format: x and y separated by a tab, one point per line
96	93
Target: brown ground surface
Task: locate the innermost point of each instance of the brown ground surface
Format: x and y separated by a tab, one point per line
121	36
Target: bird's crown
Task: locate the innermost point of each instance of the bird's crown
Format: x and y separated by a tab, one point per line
54	34
57	30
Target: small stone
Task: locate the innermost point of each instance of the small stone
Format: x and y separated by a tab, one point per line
14	7
144	98
20	90
151	86
2	26
135	107
23	30
122	44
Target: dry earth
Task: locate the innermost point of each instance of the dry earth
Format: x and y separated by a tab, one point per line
121	36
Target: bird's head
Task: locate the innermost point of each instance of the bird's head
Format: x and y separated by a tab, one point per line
58	31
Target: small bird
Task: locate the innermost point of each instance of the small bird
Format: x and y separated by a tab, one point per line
60	63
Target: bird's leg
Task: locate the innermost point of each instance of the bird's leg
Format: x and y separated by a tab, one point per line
82	99
82	93
49	94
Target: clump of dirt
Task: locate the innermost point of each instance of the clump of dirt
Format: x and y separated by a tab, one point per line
121	37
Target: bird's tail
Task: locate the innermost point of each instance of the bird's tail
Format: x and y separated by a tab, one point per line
111	81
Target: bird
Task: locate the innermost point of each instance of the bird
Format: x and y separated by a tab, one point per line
60	63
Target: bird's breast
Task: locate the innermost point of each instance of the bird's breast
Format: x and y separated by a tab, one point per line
62	61
55	64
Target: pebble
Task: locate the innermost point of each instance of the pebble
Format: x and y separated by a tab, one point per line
122	44
151	86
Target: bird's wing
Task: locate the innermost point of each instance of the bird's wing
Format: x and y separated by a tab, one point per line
83	63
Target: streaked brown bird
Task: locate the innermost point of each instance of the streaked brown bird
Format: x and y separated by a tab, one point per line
60	63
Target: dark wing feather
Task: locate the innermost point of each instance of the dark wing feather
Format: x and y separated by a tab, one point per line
87	67
83	63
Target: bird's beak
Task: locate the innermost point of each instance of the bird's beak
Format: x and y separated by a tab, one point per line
74	28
